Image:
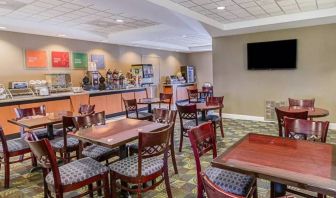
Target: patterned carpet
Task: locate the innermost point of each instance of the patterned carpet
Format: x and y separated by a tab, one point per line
26	184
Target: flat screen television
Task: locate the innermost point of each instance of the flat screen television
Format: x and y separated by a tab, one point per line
272	55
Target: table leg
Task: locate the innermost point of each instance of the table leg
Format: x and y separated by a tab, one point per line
203	116
123	154
50	130
150	108
277	189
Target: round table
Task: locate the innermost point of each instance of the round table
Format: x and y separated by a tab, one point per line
149	102
312	112
203	107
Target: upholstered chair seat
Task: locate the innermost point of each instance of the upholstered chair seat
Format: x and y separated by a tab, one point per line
99	152
229	181
58	143
14	145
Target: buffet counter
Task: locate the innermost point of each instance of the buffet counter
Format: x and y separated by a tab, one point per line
109	101
179	91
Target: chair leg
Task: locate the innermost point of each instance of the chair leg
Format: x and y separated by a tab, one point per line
7	171
106	186
113	185
214	127
166	178
255	193
90	188
172	153
321	195
33	160
221	127
44	171
181	141
139	191
99	188
59	195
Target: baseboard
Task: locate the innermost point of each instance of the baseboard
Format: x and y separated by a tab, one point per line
259	118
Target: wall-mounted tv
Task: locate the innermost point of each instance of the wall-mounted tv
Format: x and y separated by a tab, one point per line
272	55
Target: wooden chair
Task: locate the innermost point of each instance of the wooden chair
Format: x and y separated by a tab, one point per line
162	116
307	103
71	176
97	152
166	98
33	111
188	119
281	114
86	109
216	119
132	112
12	148
65	145
193	96
148	165
217	182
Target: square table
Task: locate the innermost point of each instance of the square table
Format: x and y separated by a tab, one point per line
304	164
32	122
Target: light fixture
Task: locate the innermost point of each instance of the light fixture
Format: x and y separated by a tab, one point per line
220	7
119	21
184	36
2	28
61	35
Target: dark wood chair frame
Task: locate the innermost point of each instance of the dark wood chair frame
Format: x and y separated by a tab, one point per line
5	159
132	106
85	109
212	100
318	130
151	144
307	103
166	99
193	96
281	114
202	139
186	112
46	158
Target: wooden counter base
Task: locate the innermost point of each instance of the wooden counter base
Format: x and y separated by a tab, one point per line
179	91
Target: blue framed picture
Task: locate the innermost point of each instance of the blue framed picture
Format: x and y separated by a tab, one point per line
99	60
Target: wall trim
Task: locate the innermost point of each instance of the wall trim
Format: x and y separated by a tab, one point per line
259	118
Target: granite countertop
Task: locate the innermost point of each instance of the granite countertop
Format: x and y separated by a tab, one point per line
65	94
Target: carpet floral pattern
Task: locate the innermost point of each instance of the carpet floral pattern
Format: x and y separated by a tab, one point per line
26	184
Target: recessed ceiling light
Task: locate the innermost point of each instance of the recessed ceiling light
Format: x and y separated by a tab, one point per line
119	21
61	35
2	28
184	36
220	7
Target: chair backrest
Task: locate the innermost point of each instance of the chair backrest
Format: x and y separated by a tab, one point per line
213	191
192	94
187	112
306	129
166	98
131	106
85	109
32	111
95	119
281	114
45	157
164	115
202	139
3	142
308	103
69	125
154	144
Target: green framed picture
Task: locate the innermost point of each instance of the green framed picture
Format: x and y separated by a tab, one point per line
79	60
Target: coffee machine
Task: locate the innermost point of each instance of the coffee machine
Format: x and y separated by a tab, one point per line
92	77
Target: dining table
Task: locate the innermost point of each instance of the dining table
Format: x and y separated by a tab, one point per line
149	102
299	163
48	120
313	112
203	107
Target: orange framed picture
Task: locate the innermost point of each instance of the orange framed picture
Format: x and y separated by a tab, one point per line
36	59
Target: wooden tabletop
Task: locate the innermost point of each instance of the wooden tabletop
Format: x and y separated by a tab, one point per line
312	112
31	122
305	164
117	133
149	100
204	107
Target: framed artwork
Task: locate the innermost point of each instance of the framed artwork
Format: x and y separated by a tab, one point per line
36	59
99	60
60	59
79	60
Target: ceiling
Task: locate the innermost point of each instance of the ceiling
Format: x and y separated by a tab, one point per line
176	25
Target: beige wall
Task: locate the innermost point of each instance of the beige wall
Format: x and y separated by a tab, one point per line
246	91
203	64
120	57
